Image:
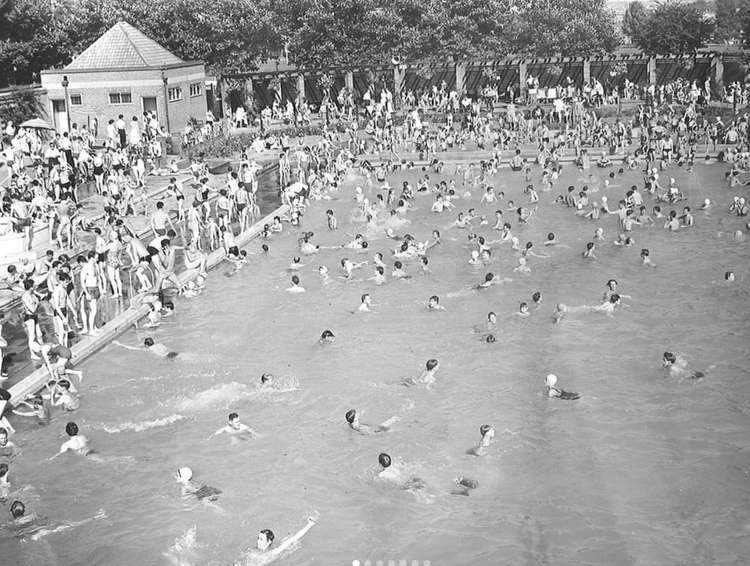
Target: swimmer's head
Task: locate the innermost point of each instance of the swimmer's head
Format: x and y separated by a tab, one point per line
432	364
350	416
148	342
490	339
3	469
266	378
550	380
487	431
233	418
295	280
434	300
668	358
264	247
612	283
729	276
474	254
327	336
365	298
489	277
323	270
551	237
184	474
614	299
384	460
491	316
537	297
17	509
64	383
265	539
523	307
71	429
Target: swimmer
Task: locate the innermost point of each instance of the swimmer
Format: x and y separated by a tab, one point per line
523	310
729	276
295	287
8	449
352	418
63	397
36	526
522	266
646	258
536	297
392	474
559	314
324	277
326	337
433	304
553	241
39	409
150	345
599	234
379	277
270	381
296	264
553	391
206	494
365	303
465	485
707	205
611	290
427	376
588	253
424	266
263	553
331	220
678	366
487	433
349	266
398	271
235	427
77	443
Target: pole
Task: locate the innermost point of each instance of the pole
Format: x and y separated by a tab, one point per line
67	108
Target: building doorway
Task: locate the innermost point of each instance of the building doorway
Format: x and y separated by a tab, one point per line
59	115
149	104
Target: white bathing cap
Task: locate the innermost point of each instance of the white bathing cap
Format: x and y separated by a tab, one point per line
551	380
185	474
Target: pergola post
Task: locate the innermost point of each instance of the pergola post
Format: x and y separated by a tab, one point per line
461	79
300	87
718	64
399	73
652	71
349	80
522	79
586	71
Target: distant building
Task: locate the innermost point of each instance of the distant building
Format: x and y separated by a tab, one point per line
125	72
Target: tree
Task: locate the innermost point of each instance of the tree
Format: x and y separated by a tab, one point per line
674	27
730	15
633	20
573	27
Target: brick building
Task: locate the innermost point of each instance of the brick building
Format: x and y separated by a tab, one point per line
125	72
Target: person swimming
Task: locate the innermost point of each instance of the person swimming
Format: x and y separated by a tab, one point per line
270	381
352	418
326	337
203	493
427	376
235	427
77	443
264	553
394	474
151	346
553	391
486	433
433	304
678	366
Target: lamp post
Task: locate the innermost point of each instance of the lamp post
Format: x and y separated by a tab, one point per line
65	84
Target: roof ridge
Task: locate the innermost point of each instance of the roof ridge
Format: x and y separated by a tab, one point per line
124	29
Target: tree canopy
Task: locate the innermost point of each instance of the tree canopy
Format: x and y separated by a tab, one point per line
233	35
672	27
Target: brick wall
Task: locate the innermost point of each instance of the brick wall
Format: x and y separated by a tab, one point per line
94	88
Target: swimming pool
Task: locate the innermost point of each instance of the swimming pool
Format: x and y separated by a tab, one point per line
644	469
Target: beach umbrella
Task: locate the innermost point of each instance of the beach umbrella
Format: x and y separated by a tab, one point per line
36	124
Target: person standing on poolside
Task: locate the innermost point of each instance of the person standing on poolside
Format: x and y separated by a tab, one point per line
91	285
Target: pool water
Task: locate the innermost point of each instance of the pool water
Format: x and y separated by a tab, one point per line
643	469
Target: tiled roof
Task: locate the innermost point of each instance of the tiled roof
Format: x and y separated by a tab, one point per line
123	46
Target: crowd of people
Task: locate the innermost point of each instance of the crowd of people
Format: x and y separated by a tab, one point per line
211	212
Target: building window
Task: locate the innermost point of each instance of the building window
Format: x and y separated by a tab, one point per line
75	100
120	98
195	89
174	93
